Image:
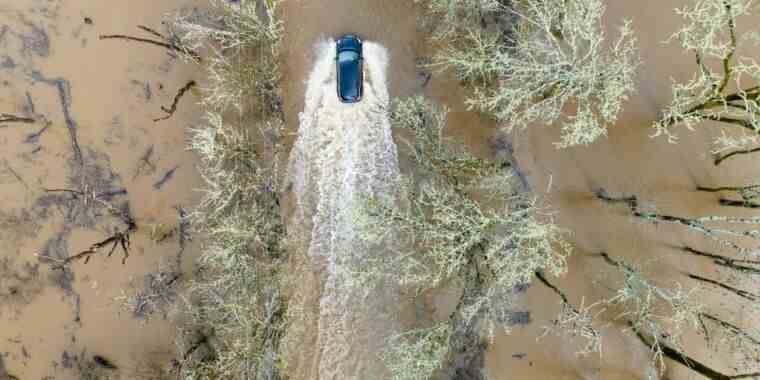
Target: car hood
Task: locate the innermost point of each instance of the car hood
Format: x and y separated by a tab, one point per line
349	44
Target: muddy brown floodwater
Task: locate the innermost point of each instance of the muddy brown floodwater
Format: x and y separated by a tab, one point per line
94	102
627	161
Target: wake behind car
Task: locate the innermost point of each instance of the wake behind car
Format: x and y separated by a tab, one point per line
348	61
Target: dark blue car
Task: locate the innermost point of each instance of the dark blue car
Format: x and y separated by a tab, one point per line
349	68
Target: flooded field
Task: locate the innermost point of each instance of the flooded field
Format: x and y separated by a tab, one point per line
91	159
87	162
628	162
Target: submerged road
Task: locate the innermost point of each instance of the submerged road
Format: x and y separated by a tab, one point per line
343	154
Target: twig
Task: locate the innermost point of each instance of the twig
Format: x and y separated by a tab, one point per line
173	108
8	118
15	174
735	203
728	262
632	202
107	195
556	290
719	159
165	43
103	362
739	292
118	239
727	188
139	39
152	31
77	192
689	362
731	327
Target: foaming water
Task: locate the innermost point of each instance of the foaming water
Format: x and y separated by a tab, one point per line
343	154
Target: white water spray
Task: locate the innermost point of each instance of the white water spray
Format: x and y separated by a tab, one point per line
343	154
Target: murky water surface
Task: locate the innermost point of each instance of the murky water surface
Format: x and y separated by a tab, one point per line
93	102
345	154
628	161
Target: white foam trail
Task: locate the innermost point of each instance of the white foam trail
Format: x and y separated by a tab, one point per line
344	153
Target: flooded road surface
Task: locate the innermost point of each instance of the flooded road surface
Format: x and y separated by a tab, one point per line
93	147
343	155
340	332
390	23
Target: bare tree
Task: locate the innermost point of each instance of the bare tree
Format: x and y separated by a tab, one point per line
234	316
555	55
465	222
723	87
243	40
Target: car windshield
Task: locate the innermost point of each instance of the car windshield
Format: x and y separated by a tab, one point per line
348	56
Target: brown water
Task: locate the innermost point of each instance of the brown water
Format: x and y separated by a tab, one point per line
94	101
628	161
50	321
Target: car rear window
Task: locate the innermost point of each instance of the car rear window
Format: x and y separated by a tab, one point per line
348	56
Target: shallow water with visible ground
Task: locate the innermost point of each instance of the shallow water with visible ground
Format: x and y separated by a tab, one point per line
93	103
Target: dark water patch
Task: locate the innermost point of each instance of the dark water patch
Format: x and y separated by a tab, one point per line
19	284
34	138
67	361
145	164
64	97
78	199
4	30
19	224
35	39
504	152
144	91
116	133
29	107
55	251
518	318
183	230
165	178
158	293
7	63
